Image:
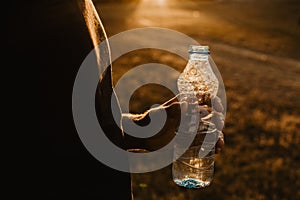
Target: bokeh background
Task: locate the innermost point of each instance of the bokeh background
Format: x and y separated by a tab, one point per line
256	47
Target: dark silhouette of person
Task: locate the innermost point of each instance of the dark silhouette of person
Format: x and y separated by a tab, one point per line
58	42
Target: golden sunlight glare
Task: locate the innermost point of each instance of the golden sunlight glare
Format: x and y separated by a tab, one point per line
161	2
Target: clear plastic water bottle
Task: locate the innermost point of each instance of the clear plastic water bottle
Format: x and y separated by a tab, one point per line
197	85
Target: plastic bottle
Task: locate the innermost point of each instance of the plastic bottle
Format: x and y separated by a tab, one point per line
197	85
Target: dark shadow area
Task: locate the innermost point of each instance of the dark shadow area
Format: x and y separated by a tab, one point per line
51	37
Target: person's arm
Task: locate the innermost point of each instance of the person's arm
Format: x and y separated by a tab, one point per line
167	132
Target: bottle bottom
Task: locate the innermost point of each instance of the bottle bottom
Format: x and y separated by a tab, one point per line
191	183
193	173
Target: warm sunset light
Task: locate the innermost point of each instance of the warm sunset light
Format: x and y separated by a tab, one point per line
95	28
143	13
161	2
154	2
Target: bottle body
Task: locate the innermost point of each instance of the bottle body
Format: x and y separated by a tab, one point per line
197	86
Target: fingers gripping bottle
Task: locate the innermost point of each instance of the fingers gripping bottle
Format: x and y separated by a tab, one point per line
194	163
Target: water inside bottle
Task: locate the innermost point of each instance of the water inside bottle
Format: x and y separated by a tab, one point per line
191	171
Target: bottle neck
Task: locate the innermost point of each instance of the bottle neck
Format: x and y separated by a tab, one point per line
198	56
198	52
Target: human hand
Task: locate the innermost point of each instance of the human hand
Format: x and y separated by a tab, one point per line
170	127
218	118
